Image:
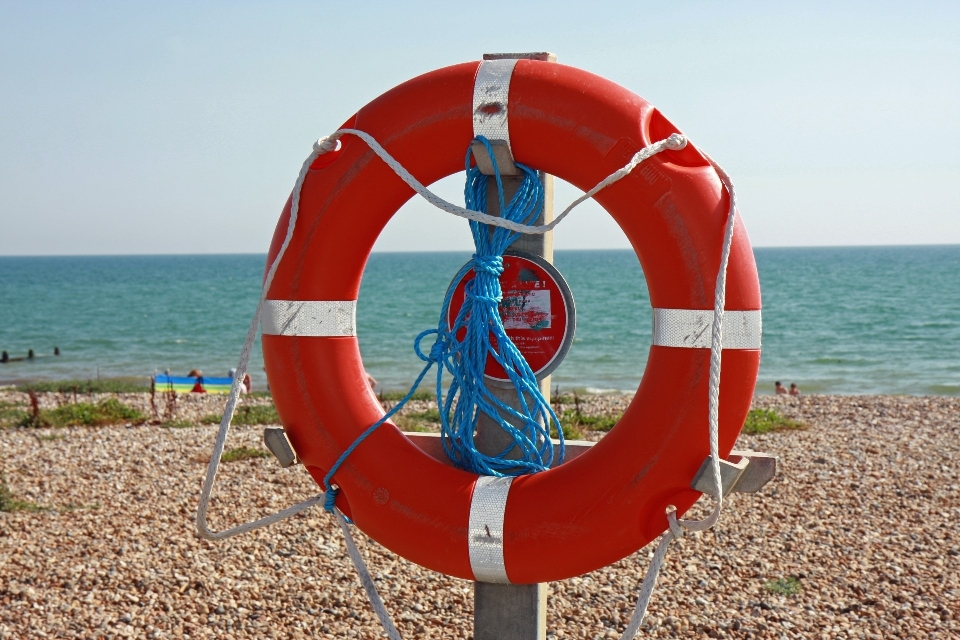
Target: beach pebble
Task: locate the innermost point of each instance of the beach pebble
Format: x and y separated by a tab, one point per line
857	537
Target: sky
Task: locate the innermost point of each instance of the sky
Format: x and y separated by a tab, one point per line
179	127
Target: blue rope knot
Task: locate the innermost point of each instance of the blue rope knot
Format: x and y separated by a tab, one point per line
488	264
483	337
485	286
436	351
492	301
330	497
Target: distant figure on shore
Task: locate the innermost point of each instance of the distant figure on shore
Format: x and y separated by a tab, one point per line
198	385
794	390
779	388
371	380
246	386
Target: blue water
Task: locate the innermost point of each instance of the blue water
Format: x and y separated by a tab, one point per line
835	320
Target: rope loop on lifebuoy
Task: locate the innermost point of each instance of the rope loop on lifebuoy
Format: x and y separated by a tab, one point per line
488	264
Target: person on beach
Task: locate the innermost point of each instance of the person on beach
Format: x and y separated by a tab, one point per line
198	385
779	388
794	390
371	380
246	385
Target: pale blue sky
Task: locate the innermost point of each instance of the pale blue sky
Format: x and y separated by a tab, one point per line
179	127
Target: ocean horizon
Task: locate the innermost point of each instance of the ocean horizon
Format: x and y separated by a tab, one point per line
844	320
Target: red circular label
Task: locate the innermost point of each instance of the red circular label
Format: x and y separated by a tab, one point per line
534	313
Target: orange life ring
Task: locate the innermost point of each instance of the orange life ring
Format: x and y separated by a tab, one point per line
602	505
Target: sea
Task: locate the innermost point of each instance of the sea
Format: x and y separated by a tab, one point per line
839	320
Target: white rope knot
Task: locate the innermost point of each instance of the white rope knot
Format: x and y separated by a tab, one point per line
675	528
326	144
676	141
672	143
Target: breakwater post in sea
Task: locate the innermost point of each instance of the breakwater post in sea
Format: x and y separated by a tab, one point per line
5	357
512	611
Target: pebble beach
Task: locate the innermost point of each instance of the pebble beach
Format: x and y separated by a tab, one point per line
855	538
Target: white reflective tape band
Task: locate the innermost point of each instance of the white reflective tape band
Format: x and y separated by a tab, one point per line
486	529
692	328
491	95
311	318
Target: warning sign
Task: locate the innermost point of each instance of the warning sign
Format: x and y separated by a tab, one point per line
526	309
537	312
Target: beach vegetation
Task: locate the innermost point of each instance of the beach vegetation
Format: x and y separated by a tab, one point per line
419	421
84	414
570	432
248	415
396	396
602	422
574	420
105	385
9	503
12	413
243	453
572	396
788	586
177	423
768	420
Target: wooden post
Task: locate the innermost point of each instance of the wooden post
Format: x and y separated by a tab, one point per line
513	611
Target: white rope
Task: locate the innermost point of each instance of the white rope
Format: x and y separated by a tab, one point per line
674	142
650	580
676	526
366	580
320	147
330	143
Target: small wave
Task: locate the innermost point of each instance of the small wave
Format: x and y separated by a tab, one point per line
605	392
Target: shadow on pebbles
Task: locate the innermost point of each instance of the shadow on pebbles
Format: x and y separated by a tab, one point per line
856	538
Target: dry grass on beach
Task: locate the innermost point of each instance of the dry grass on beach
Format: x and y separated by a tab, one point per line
857	537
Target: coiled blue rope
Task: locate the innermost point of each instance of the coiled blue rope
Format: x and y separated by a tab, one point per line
530	449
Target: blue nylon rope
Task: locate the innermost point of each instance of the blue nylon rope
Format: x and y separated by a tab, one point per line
530	449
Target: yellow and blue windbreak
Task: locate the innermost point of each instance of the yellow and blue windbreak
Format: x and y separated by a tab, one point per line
186	384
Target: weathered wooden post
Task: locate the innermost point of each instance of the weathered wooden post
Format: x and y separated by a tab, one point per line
512	611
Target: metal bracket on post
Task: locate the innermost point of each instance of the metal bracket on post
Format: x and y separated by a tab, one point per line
276	440
745	472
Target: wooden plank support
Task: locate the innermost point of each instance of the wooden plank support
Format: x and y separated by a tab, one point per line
509	611
512	611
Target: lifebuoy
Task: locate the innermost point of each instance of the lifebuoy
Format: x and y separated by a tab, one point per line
602	505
